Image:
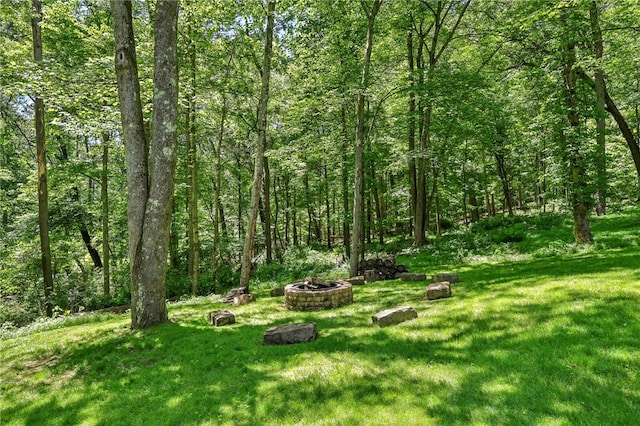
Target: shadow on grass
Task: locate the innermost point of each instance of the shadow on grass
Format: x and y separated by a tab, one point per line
508	348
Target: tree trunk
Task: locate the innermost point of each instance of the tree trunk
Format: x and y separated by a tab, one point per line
258	170
601	162
360	140
439	41
295	219
580	197
287	209
267	210
41	153
150	179
218	183
624	127
193	269
240	198
307	198
412	128
346	235
326	206
106	255
95	255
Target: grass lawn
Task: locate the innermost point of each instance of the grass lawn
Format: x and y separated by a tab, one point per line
537	333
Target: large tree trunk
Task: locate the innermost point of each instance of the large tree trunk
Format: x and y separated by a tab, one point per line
41	153
150	179
601	162
580	196
360	140
247	253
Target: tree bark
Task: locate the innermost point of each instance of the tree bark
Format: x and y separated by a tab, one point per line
580	197
360	139
499	155
326	206
41	154
150	179
217	216
624	127
267	210
192	165
104	196
86	238
346	233
601	161
411	128
247	253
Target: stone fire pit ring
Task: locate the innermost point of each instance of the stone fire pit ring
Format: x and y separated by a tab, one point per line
302	297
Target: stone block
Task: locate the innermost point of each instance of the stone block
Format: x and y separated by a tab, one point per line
439	290
394	316
221	317
410	276
243	299
287	334
445	276
278	291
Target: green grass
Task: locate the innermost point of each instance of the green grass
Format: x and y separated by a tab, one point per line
537	332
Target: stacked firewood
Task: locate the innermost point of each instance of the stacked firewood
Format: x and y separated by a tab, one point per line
380	269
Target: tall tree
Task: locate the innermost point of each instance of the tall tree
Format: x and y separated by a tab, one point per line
41	153
601	163
580	196
258	171
150	167
358	196
104	196
440	37
192	164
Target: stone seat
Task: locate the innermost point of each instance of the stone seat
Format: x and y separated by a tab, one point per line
287	334
394	316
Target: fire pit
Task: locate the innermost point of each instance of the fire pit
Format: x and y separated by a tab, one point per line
314	294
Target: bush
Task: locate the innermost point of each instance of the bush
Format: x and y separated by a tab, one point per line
496	222
511	234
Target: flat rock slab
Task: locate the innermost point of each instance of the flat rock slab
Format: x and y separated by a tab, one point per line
394	316
243	299
288	334
445	276
410	276
221	317
439	290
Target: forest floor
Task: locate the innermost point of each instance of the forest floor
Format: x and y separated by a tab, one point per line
538	331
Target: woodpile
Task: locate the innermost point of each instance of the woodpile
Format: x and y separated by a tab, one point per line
380	269
233	293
